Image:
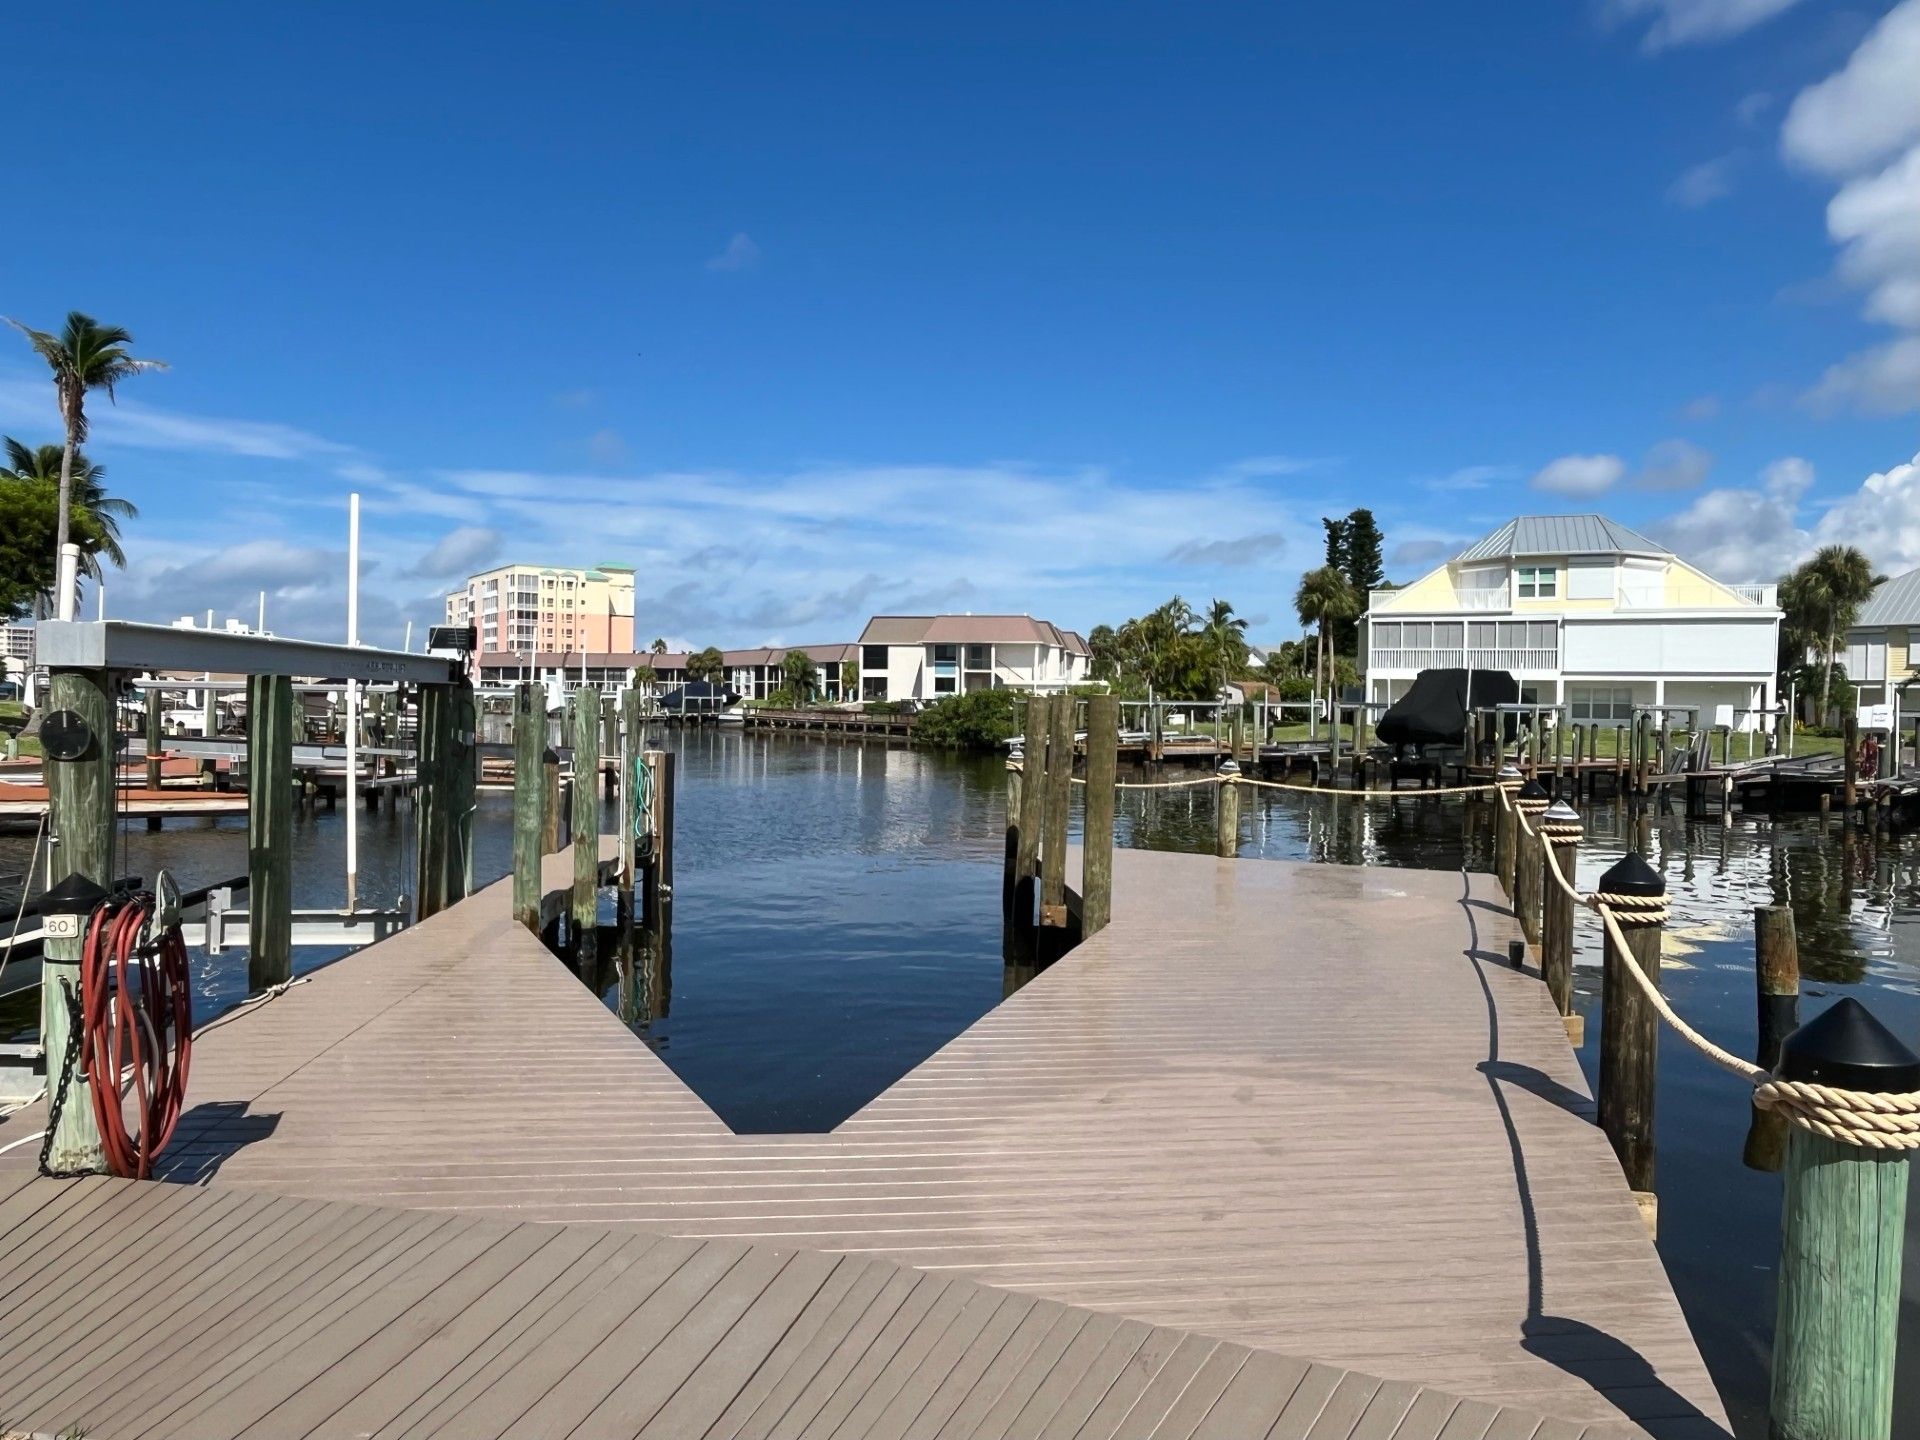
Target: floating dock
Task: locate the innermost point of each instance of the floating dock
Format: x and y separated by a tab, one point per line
1285	1149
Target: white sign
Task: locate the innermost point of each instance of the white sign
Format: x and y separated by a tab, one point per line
1875	717
62	927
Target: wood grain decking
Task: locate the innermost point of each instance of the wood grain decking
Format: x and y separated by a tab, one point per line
1304	1110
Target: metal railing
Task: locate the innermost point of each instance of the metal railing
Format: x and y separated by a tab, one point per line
1495	598
1456	657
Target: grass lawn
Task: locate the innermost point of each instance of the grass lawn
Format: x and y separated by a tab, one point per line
12	715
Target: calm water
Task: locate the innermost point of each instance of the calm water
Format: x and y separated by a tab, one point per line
837	919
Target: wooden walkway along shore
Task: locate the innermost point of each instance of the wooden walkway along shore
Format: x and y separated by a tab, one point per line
1304	1110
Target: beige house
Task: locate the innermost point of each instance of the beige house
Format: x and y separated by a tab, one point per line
1883	647
1585	613
925	657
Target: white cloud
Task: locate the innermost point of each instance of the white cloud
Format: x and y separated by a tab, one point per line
1866	110
1580	474
1705	183
1745	534
606	447
459	552
1695	22
1231	550
1884	380
1472	477
151	428
1882	518
1753	106
1701	409
740	254
1867	115
1674	465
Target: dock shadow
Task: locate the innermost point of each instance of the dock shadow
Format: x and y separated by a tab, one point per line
1602	1361
208	1136
1538	1082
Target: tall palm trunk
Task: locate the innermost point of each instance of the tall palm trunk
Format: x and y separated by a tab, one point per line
1826	677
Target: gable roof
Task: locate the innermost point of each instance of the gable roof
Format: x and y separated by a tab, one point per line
962	630
1894	602
1559	535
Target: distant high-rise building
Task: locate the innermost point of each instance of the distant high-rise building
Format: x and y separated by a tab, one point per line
547	609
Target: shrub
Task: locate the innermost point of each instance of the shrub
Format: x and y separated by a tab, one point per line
977	720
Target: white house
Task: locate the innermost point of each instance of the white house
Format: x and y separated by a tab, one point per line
1583	612
923	657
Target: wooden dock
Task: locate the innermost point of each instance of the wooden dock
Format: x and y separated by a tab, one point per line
828	722
1274	1114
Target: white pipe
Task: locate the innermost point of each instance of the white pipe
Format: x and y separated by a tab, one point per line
353	703
67	581
262	626
100	601
407	644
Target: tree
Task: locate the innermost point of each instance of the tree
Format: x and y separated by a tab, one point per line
1325	596
850	678
84	356
101	536
708	664
1365	569
1103	648
1822	599
659	646
799	676
1226	636
27	525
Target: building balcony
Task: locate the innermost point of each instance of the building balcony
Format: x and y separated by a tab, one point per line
1481	599
1515	661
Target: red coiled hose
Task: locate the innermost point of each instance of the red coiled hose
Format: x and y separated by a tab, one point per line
136	1006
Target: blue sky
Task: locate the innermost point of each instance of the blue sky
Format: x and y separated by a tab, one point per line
809	311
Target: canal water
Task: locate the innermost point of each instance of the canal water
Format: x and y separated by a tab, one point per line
837	919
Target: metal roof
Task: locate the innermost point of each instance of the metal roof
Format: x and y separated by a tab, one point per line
1894	602
1560	535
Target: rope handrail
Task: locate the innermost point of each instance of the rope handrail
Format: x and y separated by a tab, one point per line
1218	779
1850	1117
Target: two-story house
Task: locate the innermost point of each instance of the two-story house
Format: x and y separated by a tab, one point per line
924	657
1585	613
1882	657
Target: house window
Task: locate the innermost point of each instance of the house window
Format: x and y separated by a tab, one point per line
1537	582
943	684
977	657
1600	704
873	657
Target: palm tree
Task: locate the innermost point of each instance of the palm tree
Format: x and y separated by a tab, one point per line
799	676
85	355
1226	636
1823	598
104	512
1324	598
659	646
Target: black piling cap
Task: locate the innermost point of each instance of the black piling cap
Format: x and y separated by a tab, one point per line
75	895
1534	790
1846	1047
1631	875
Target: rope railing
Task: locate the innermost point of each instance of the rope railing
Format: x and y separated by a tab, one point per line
1850	1117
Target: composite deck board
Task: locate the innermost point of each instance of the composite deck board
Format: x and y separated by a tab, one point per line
1303	1109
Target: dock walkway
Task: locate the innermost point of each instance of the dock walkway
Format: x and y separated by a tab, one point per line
1304	1110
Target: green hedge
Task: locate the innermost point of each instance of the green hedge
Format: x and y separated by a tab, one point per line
977	720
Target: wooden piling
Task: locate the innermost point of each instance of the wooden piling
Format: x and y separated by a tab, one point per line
1010	866
1226	801
269	831
632	737
1842	1241
553	821
1059	794
153	739
80	795
1630	1026
1096	882
1776	973
1560	829
1033	785
530	800
1849	768
583	912
446	776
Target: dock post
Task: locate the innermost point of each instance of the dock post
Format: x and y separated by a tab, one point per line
1059	794
80	795
1226	811
1530	803
1562	830
1096	841
553	813
1630	1027
445	779
269	831
1507	778
1776	974
584	912
530	800
153	739
632	736
1033	787
1010	865
1843	1222
1619	759
610	739
1850	769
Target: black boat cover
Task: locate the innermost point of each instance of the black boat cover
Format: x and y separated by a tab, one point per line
699	697
1434	711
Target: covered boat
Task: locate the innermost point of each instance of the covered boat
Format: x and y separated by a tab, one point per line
699	697
1434	710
